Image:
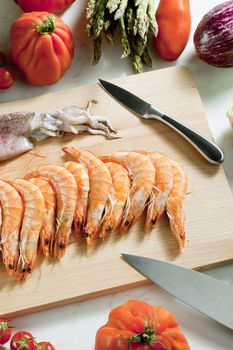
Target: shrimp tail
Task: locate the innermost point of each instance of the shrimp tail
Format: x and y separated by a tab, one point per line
74	152
106	158
176	217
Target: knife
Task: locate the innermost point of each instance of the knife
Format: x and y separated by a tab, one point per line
209	150
206	294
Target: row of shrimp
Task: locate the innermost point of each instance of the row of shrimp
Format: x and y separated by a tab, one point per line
90	196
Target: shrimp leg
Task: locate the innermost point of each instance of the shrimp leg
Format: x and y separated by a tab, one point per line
34	209
12	210
100	187
66	194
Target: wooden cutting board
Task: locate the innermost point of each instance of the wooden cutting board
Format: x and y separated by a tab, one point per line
90	273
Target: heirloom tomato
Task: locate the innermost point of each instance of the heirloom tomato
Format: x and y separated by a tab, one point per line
137	325
53	6
42	46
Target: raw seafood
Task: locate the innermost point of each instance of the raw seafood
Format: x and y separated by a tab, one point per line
100	187
142	171
161	189
19	130
66	193
34	208
174	206
119	196
80	174
13	211
47	233
88	196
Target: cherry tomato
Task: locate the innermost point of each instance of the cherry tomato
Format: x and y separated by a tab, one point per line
5	331
23	341
45	346
3	59
6	78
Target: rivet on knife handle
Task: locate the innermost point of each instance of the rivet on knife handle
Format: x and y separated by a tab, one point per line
209	150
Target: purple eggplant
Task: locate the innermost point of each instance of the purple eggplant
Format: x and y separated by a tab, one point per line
213	38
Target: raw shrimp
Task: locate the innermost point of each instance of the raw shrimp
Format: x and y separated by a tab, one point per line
80	174
12	210
118	197
0	217
175	201
66	194
100	187
143	175
47	233
34	209
162	187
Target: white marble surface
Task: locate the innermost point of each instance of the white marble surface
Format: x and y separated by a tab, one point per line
74	326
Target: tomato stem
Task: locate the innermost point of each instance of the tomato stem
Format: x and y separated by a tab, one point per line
147	336
47	26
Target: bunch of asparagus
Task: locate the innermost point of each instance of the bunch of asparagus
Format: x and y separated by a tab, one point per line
136	21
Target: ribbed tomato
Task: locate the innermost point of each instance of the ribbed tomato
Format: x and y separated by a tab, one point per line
42	46
53	6
137	325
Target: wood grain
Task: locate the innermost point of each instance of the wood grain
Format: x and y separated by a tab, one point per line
89	273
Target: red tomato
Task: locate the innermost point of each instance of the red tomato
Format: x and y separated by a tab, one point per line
6	79
174	21
3	59
45	346
23	341
5	328
42	46
140	326
53	6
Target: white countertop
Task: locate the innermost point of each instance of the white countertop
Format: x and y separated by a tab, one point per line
74	326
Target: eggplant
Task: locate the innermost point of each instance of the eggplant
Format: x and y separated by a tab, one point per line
213	38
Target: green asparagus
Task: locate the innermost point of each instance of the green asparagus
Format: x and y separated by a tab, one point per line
136	22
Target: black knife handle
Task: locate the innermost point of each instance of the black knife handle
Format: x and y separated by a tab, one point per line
209	150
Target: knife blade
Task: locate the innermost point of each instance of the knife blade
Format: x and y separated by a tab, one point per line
209	150
206	294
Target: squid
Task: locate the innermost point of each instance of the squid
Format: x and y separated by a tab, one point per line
20	131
